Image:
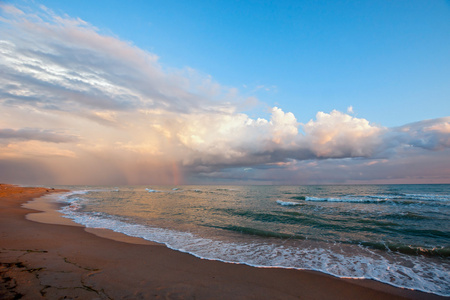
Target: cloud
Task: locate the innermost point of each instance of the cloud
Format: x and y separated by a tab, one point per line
36	134
36	149
428	134
339	135
10	9
110	113
61	63
350	110
235	138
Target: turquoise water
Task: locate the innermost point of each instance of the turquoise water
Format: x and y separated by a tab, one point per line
398	234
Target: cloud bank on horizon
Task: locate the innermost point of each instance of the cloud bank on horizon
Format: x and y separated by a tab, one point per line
81	107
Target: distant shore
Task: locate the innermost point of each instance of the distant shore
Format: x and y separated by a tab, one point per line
55	258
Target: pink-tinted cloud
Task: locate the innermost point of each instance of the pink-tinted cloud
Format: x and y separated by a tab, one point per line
340	135
36	134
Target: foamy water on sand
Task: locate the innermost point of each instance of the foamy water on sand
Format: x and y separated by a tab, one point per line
397	234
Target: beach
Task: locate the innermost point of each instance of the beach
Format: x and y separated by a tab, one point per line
62	260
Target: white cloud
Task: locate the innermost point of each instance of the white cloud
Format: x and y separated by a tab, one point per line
339	135
350	110
234	138
67	63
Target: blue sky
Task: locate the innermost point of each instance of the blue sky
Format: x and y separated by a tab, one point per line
246	92
388	59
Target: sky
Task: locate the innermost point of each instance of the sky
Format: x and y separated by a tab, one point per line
224	92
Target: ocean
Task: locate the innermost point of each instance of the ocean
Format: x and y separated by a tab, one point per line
397	234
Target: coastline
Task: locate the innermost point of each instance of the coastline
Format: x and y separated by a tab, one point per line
47	260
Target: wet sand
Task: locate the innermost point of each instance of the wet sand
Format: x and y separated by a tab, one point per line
44	260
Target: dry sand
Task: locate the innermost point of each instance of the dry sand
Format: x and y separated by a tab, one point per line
61	261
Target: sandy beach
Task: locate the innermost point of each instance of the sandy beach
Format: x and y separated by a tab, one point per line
58	259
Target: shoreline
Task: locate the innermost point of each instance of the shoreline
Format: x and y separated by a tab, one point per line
47	261
47	212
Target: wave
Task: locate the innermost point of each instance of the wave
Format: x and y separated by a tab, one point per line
380	226
427	197
442	252
261	233
432	200
407	216
299	197
281	218
72	197
426	232
226	190
286	203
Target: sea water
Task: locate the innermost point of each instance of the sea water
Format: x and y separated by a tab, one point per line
397	234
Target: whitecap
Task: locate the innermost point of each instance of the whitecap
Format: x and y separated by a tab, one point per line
287	203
